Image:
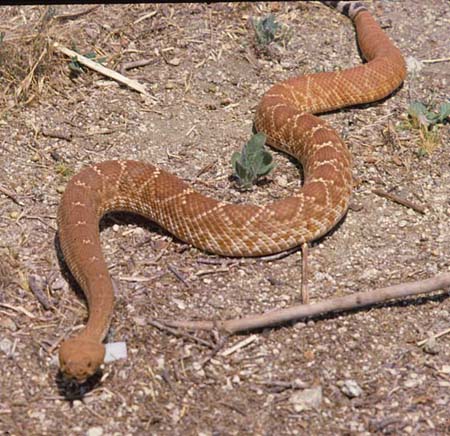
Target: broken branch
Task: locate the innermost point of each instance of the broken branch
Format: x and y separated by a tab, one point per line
338	304
133	84
399	200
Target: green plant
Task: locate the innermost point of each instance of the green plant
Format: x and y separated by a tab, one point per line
268	30
63	170
421	115
253	162
76	68
428	122
265	29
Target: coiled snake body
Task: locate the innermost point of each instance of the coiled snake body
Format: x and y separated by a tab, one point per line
285	116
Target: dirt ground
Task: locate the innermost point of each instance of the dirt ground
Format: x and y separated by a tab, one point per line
364	369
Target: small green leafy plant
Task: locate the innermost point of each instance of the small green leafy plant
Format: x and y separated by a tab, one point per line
423	116
253	162
268	30
265	29
63	170
76	68
428	122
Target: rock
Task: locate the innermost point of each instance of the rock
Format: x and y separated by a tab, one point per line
370	273
445	369
179	303
58	284
6	345
414	65
14	214
431	346
351	389
94	431
402	223
413	380
140	321
9	324
307	399
281	181
174	61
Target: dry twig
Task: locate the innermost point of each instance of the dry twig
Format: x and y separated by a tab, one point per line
178	334
280	386
18	309
241	344
399	200
67	136
178	275
434	61
134	64
437	335
36	286
133	84
10	195
144	17
73	15
301	311
219	345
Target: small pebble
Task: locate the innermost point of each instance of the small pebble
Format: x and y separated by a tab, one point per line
77	404
431	346
413	380
58	284
307	399
94	431
8	323
14	214
282	181
299	325
179	303
445	369
175	62
140	321
351	389
6	345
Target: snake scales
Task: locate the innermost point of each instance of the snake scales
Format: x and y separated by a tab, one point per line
285	116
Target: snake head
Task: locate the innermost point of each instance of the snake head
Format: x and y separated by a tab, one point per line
80	358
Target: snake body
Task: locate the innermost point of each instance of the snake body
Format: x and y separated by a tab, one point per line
285	115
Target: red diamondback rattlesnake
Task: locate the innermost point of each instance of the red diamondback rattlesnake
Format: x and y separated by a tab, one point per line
285	116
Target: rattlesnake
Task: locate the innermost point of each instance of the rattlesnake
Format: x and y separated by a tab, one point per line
285	116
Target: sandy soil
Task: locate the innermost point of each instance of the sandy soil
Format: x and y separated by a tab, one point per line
205	77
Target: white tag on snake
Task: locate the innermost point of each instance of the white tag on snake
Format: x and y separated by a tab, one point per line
115	351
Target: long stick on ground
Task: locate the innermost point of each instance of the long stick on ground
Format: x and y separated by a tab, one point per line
133	84
338	304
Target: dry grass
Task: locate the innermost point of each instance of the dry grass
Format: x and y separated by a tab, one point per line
25	55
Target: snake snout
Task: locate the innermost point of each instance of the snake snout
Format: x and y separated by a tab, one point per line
80	358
